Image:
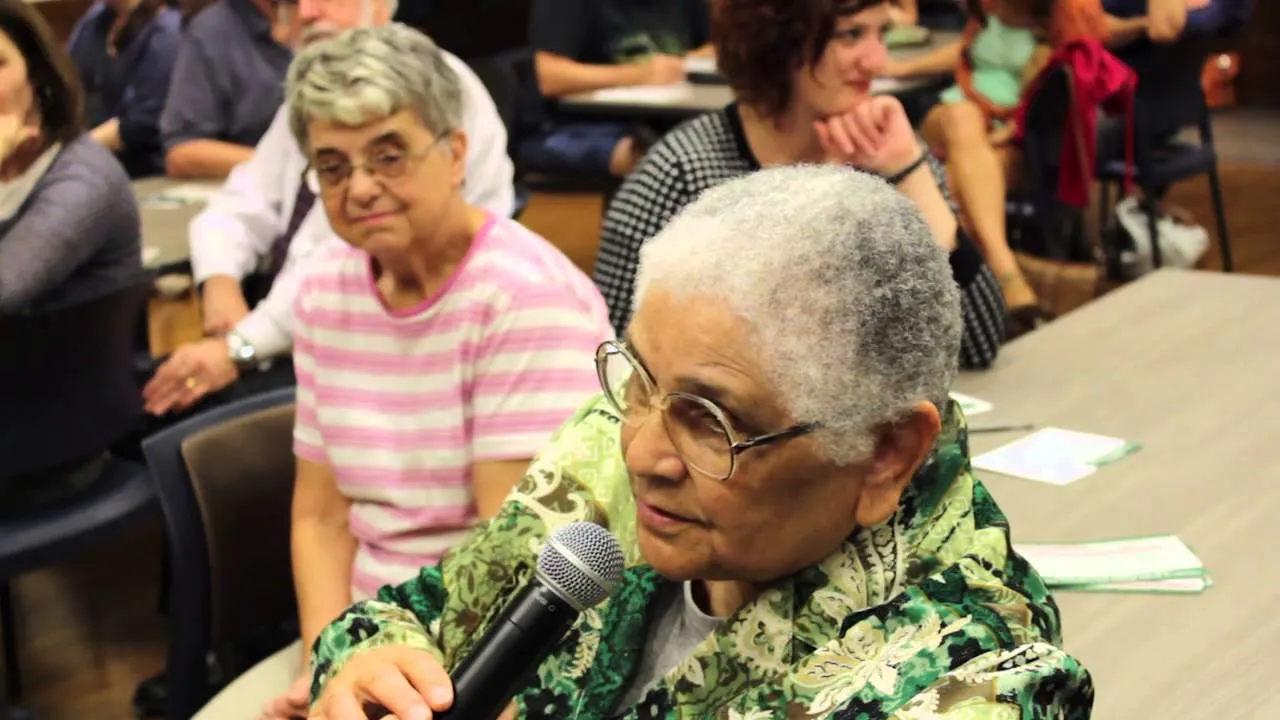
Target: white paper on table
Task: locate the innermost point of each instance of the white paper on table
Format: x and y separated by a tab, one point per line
1160	557
1055	456
150	254
971	405
185	194
700	65
889	86
649	94
1169	586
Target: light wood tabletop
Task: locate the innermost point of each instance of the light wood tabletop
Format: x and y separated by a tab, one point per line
167	208
1188	364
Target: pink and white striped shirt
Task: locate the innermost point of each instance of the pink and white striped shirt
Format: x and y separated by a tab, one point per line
401	403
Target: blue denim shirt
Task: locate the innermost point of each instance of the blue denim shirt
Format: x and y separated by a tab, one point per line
228	82
132	85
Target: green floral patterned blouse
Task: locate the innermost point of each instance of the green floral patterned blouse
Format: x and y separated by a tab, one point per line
929	615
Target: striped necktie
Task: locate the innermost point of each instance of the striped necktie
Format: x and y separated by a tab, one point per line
280	248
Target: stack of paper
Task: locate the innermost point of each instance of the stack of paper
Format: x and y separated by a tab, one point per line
1055	456
181	195
1159	564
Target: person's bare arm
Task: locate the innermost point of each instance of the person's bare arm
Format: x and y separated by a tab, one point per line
940	61
108	135
706	51
1166	19
1122	31
559	76
1039	58
204	158
322	548
491	481
904	12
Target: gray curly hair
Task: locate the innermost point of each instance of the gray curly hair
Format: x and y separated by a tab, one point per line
853	305
367	74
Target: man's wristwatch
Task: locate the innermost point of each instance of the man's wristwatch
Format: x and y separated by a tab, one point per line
241	351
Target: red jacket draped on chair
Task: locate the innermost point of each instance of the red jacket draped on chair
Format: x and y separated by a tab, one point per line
1098	80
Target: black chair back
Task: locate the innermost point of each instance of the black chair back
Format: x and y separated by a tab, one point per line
1047	227
67	381
224	479
1170	96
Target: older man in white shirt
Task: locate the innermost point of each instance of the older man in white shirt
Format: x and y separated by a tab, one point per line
265	220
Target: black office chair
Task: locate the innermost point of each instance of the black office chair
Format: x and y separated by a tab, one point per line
67	379
225	482
1039	223
1170	98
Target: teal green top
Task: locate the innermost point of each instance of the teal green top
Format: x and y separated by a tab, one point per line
928	615
1000	55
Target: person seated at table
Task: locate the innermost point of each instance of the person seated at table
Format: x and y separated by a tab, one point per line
262	228
227	86
802	97
1006	44
455	337
1165	21
584	45
69	227
777	456
124	51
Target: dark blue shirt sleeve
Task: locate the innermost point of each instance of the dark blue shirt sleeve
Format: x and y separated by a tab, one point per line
144	98
699	23
195	109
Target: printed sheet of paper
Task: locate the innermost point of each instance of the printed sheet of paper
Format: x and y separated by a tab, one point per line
1055	456
1172	586
971	405
180	195
1158	558
700	65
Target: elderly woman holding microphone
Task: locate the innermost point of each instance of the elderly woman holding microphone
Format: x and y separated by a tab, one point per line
435	354
775	451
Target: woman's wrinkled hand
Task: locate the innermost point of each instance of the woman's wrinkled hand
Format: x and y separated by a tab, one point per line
409	683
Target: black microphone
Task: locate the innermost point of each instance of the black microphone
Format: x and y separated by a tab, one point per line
578	568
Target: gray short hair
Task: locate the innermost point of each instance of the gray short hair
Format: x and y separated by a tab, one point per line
855	311
367	74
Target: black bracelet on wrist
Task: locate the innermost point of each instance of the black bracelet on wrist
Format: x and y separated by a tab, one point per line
898	177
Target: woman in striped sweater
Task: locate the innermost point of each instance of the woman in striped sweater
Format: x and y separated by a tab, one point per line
802	75
434	355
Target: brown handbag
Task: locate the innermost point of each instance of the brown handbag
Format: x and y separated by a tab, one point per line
1219	79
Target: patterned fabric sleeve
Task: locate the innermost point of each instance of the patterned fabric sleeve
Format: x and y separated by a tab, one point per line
1033	682
645	203
578	475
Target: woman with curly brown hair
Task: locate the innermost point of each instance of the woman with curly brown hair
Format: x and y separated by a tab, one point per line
801	71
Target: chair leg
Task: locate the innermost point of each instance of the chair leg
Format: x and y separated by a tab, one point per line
1152	207
8	628
1104	208
1220	217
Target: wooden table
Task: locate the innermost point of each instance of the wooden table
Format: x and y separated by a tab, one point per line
1188	364
164	220
687	99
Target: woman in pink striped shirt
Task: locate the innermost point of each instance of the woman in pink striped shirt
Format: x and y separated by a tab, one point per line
434	355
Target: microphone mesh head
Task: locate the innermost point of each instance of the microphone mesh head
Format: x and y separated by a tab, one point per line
583	561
